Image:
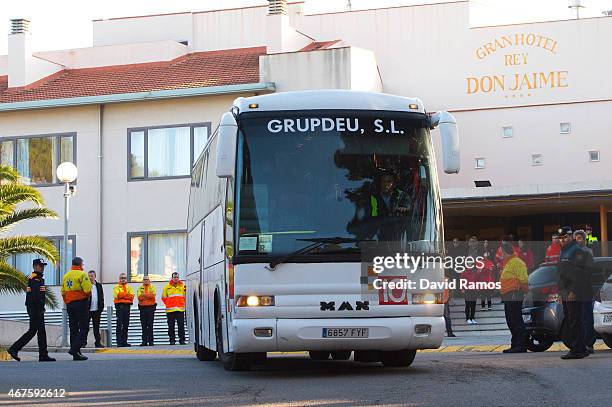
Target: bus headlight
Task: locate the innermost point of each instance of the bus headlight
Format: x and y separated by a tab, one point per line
255	301
427	298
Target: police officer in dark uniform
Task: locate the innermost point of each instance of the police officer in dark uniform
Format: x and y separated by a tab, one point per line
575	285
35	304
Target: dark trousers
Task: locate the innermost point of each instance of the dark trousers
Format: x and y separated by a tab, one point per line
94	316
485	295
78	318
123	322
179	317
587	323
37	327
470	309
574	320
447	319
514	319
147	316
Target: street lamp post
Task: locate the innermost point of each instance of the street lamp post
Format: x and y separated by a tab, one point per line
66	173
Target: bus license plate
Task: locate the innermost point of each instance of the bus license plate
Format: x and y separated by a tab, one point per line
607	318
346	332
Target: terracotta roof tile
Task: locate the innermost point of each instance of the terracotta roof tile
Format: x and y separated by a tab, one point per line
200	69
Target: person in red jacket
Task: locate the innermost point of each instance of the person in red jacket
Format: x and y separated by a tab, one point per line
554	250
486	274
470	276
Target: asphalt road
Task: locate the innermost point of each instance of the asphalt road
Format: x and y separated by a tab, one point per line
440	379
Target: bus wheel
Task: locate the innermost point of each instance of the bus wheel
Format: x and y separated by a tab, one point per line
607	338
342	355
397	358
318	354
230	360
204	354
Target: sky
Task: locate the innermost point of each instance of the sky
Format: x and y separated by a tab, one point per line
65	24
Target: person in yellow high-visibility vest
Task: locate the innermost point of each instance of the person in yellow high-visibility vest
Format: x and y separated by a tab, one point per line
123	295
173	296
76	290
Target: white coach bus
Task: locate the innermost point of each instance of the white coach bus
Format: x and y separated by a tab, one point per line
289	190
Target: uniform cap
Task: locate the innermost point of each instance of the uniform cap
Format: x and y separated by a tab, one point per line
39	262
564	231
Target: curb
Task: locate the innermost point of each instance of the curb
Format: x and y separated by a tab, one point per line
4	356
557	347
116	351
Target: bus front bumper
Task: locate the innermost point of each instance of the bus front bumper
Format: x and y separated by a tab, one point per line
393	333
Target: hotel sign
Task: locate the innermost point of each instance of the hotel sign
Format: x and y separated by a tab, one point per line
514	78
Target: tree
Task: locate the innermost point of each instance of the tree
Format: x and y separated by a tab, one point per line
16	201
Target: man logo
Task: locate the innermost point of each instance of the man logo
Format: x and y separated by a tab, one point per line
345	306
328	306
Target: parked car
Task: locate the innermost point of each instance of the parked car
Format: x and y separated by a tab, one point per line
602	311
543	307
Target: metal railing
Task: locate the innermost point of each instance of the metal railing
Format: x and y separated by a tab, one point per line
108	325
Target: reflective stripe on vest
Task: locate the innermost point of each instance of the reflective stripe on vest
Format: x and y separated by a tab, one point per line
374	204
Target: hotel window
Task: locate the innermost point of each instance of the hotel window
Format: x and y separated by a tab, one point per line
537	159
594	156
507	131
36	157
165	152
156	254
479	163
565	128
53	274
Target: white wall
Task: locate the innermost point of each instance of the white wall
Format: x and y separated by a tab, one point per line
324	69
116	54
364	71
536	130
206	30
84	205
176	27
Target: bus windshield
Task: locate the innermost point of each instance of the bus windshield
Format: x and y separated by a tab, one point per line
356	176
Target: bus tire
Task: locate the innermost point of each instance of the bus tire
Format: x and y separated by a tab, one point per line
204	354
318	354
341	355
231	360
398	358
607	338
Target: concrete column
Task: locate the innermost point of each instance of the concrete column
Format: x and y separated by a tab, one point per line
603	221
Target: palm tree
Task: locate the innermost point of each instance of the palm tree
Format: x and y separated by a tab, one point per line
13	196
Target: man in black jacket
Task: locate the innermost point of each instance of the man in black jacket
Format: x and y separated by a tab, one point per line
35	304
575	285
95	305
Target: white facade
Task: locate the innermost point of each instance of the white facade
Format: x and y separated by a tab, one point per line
428	51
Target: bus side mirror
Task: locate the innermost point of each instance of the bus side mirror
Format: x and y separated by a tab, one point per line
226	146
450	140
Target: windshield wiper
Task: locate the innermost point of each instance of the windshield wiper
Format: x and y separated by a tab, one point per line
316	243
